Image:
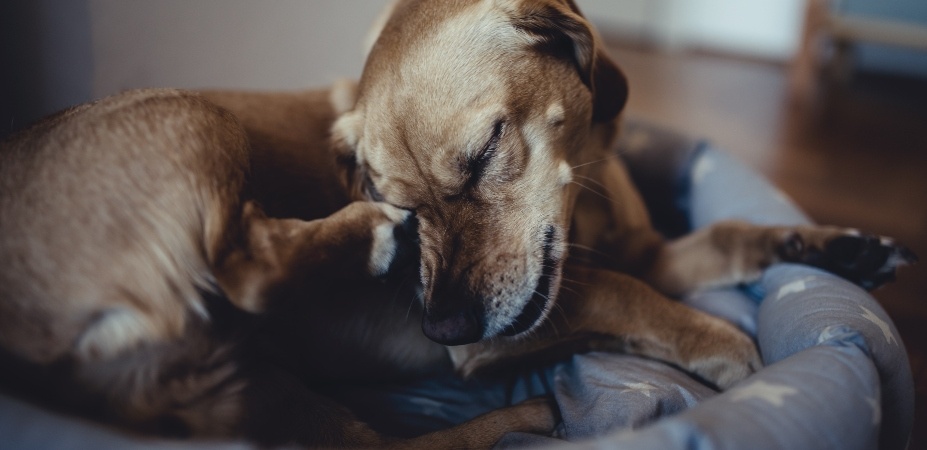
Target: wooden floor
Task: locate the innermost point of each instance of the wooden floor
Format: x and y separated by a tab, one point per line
854	156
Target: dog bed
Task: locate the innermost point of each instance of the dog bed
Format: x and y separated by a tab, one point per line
836	375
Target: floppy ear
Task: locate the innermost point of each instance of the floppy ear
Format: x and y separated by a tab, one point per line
558	27
345	136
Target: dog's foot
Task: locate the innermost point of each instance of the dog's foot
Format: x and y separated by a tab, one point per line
867	260
723	355
395	241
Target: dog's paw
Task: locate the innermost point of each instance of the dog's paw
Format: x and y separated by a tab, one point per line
867	260
394	244
727	355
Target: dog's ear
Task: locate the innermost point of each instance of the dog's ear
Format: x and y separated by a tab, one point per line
343	96
345	136
377	26
558	27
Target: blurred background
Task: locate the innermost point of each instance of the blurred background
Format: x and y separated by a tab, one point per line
826	98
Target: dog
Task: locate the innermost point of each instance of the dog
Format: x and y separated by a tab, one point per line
481	117
183	263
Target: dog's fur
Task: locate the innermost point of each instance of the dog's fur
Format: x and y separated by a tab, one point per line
176	261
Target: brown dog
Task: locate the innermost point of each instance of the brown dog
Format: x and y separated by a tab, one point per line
486	118
129	225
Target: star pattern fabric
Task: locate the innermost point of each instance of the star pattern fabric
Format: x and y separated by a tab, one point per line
774	394
876	410
793	287
641	388
886	329
702	169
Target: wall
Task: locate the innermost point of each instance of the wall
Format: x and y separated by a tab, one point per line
46	60
58	53
767	29
280	44
61	52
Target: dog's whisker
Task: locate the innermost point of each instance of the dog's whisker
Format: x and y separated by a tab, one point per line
581	246
568	280
409	311
559	309
573	291
402	284
593	180
609	199
590	250
594	162
542	295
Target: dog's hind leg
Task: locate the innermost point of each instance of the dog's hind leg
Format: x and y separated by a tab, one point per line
733	252
536	416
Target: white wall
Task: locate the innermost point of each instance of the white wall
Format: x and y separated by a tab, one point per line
763	28
630	17
63	52
280	44
758	28
57	53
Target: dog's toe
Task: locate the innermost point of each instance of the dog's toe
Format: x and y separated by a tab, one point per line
395	242
867	260
724	355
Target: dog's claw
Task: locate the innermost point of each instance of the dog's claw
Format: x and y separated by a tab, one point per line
867	260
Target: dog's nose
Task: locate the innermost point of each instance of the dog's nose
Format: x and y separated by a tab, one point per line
457	327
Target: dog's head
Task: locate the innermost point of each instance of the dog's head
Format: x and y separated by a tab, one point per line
474	115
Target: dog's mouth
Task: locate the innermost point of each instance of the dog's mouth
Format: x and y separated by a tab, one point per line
538	305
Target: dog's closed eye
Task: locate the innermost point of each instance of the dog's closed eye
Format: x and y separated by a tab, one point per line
476	165
371	190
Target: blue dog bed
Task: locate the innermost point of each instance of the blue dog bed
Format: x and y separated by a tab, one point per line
836	376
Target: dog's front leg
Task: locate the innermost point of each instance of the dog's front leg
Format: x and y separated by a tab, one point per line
732	252
362	240
604	310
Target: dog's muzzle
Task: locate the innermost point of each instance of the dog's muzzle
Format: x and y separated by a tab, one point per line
461	319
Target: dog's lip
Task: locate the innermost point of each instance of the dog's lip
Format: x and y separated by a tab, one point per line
534	310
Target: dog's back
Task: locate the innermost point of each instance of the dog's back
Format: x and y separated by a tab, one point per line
105	224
